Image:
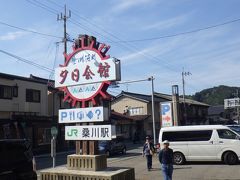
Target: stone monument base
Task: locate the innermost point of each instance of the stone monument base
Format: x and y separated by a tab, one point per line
62	173
86	162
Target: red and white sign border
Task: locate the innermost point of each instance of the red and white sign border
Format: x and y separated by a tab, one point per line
101	92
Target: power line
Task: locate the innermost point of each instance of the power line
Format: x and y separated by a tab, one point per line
27	61
54	11
128	47
181	33
99	27
28	30
38	4
55	60
47	7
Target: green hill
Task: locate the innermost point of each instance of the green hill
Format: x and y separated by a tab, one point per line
215	95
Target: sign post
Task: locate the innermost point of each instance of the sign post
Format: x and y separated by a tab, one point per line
53	151
54	133
84	78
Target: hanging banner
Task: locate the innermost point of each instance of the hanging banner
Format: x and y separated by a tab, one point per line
92	132
80	115
166	114
86	67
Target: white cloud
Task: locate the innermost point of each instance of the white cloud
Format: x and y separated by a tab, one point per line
12	35
123	5
167	23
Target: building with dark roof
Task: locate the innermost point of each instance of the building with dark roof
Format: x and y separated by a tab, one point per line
219	115
29	108
140	106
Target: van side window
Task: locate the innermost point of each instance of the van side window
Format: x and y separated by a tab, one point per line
204	135
226	134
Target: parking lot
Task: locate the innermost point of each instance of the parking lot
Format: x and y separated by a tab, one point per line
133	158
195	171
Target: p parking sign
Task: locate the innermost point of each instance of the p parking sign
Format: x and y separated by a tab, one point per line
166	114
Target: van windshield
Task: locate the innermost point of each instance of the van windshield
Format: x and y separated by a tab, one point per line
201	135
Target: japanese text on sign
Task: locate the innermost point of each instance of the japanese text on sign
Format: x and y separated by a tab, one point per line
95	132
91	114
81	71
231	103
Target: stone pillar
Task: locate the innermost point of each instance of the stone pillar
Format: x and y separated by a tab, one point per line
175	102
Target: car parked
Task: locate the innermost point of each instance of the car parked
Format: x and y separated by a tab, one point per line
17	162
202	143
114	146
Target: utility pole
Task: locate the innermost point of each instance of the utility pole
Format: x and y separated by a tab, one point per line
183	85
64	17
175	105
153	112
153	102
237	107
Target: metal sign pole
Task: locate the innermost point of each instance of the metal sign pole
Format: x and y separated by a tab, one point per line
53	151
153	112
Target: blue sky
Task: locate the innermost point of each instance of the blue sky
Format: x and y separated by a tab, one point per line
212	56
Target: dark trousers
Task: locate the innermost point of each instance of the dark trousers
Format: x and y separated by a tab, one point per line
167	170
149	161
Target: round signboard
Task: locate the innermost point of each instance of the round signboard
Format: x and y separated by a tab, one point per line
87	62
54	131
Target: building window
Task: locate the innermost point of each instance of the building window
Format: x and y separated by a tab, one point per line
43	136
135	111
33	95
15	91
5	92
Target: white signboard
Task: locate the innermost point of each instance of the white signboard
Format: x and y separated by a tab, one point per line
93	132
86	67
84	91
79	115
231	103
166	114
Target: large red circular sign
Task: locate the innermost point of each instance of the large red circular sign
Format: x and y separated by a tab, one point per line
92	55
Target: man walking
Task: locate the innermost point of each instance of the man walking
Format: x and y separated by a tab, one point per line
148	150
166	159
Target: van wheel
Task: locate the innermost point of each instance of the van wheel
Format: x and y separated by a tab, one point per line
178	158
230	158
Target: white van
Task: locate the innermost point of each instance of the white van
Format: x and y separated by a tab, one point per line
202	143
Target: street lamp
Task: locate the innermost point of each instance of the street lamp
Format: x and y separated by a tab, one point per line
115	85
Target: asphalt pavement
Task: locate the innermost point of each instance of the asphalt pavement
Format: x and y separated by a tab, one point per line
133	158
